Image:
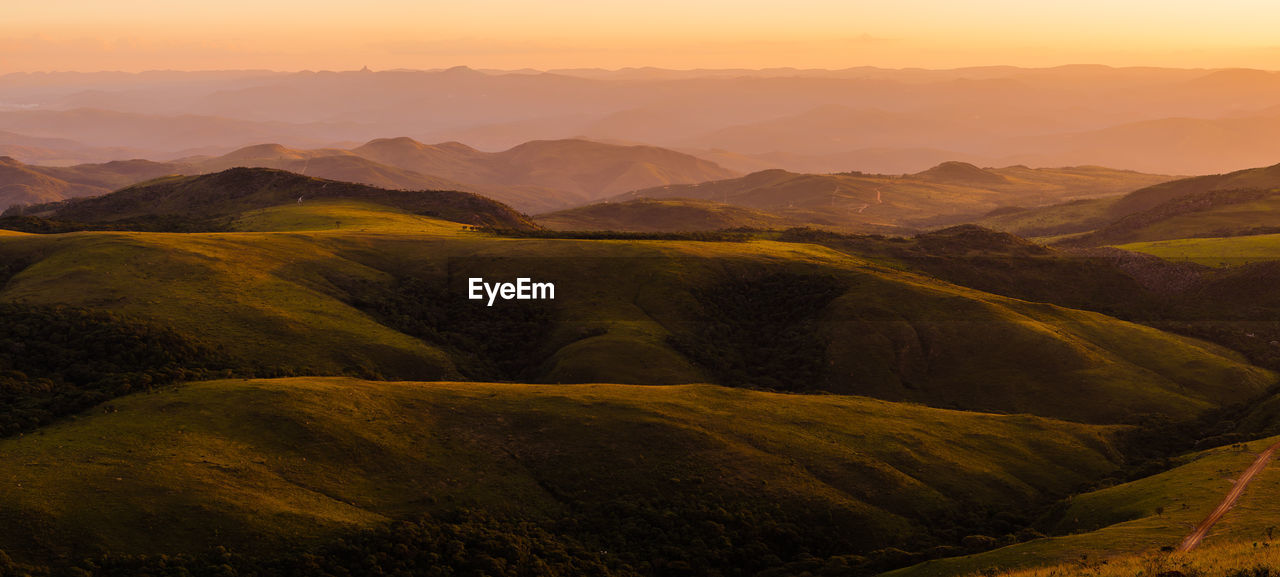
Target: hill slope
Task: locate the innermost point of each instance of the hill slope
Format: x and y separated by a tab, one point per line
1210	213
331	164
266	464
1141	516
1196	206
952	192
535	176
235	191
547	174
672	215
645	312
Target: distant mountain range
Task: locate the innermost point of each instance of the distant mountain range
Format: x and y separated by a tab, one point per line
1173	121
545	176
949	193
533	177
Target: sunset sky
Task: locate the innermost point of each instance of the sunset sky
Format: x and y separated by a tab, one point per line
133	35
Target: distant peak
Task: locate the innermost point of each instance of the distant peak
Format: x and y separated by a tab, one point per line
461	71
956	171
255	150
399	141
455	146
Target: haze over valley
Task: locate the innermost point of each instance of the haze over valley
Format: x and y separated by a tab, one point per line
1160	120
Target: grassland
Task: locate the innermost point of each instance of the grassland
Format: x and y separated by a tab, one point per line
1140	517
1241	559
347	286
1223	220
1229	204
340	215
212	199
1217	252
292	300
264	463
1054	220
670	215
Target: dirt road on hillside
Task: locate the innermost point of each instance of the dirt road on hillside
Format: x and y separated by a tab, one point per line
1229	501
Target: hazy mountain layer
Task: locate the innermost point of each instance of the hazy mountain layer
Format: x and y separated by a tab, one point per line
1171	121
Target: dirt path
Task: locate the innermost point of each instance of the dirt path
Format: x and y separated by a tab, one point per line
1229	501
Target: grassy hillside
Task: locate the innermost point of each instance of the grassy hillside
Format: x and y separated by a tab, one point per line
1153	196
375	302
671	215
1213	205
264	300
1217	252
263	464
1074	217
1245	558
1139	517
1214	213
338	215
226	195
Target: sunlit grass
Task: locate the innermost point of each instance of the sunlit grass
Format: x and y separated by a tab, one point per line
257	463
1218	252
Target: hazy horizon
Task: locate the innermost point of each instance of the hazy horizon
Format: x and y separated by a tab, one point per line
83	35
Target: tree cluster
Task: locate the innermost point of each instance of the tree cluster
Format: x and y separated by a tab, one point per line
57	361
761	331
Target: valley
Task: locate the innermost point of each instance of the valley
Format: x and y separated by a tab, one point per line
640	322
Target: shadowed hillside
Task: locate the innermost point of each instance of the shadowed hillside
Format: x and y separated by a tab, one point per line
634	311
1214	205
1139	517
549	174
331	164
758	479
535	176
953	171
25	184
232	192
950	193
671	215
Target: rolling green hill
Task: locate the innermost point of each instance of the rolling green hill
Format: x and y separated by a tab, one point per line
671	215
1248	557
1214	205
370	302
260	465
1218	252
1214	213
1139	517
871	470
228	194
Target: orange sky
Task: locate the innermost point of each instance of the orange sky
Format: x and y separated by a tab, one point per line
293	34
